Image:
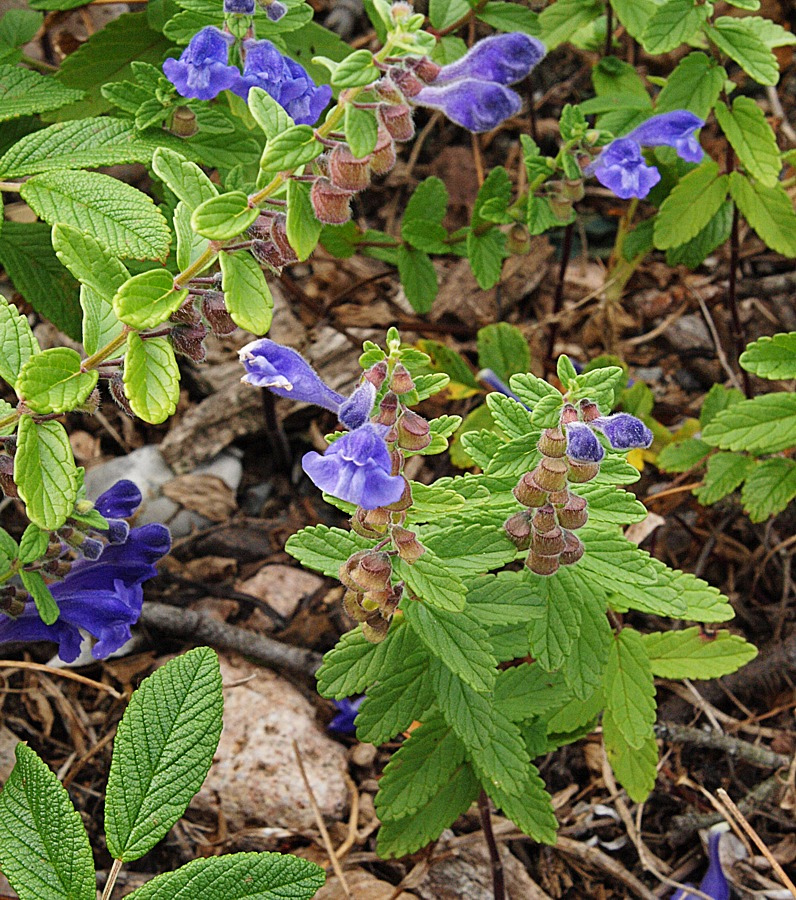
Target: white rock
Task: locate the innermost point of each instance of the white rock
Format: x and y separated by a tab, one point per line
281	587
254	780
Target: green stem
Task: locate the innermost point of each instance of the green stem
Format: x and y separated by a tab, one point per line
9	420
91	362
11	186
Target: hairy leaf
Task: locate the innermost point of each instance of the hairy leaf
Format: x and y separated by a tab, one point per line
45	472
151	378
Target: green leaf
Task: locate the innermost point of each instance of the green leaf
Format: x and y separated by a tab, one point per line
694	252
443	13
444	359
19	26
126	220
183	178
44	849
422	765
397	700
742	44
504	599
629	689
151	378
553	632
303	229
770	33
695	85
45	472
751	137
36	586
33	545
398	837
53	382
29	260
528	690
292	148
771	357
584	666
724	474
457	640
424	214
238	876
100	325
486	253
324	549
267	113
690	206
634	766
559	21
506	17
89	261
511	417
221	218
246	292
694	654
768	210
17	343
503	349
601	385
681	456
634	15
431	580
163	750
23	92
470	548
769	488
531	390
147	299
717	399
418	277
356	70
764	424
190	245
672	24
531	810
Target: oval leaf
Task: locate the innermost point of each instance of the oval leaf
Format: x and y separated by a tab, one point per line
151	378
52	381
246	292
147	299
45	472
222	217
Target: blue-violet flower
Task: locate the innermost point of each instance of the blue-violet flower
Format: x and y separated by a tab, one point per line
582	443
501	58
672	129
475	105
715	883
239	7
624	432
275	10
622	169
202	71
347	710
102	597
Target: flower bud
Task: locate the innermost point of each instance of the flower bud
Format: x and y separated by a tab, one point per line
116	388
7	484
12	600
559	498
528	491
518	529
376	518
574	513
581	472
362	528
214	309
91	549
58	568
407	544
544	519
549	544
574	189
541	565
376	374
373	571
552	443
279	237
391	601
398	121
426	69
267	254
347	171
188	341
382	159
401	381
518	240
407	82
260	229
588	411
275	10
413	431
404	501
346	571
187	314
387	91
388	410
183	122
561	207
572	551
551	474
568	414
375	628
331	204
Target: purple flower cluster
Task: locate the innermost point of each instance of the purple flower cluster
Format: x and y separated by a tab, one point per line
357	467
473	91
621	166
715	883
203	71
273	9
101	596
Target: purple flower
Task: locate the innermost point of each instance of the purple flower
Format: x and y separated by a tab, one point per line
672	129
275	10
347	710
715	883
475	105
355	411
102	597
357	468
202	71
284	80
488	376
621	168
287	374
501	58
624	432
582	443
239	7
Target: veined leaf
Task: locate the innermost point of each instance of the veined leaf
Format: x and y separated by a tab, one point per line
532	810
324	549
163	750
740	41
771	357
693	654
52	381
764	424
751	137
17	343
183	178
23	92
694	85
768	210
303	229
246	292
432	581
35	585
224	216
147	299
503	349
151	378
90	262
672	24
629	689
690	206
769	488
45	472
267	113
634	766
724	474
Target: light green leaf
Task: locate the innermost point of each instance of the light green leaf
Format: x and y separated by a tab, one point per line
221	218
717	399
470	548
33	544
100	325
17	343
629	689
89	261
634	15
123	218
324	549
724	474
770	33
634	766
19	26
584	666
190	245
246	292
769	488
742	44
672	24
505	16
751	137
768	210
504	599
531	390
267	113
52	381
457	640
682	455
36	586
694	85
764	424
418	277
694	654
151	378
694	252
430	580
23	92
289	149
45	472
147	299
44	848
503	349
559	21
443	13
183	178
238	876
771	357
356	70
486	253
511	417
163	750
690	206
303	229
